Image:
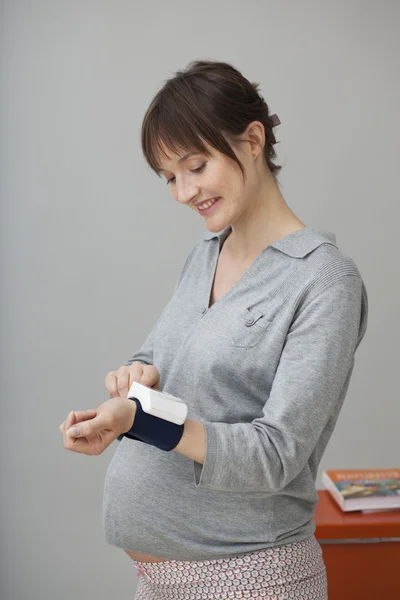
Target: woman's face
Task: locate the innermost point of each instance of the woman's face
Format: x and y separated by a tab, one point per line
213	185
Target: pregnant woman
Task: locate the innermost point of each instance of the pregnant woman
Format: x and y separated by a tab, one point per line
258	339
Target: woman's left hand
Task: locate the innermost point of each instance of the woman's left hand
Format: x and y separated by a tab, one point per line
92	431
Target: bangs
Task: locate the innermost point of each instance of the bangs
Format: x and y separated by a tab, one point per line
180	121
163	135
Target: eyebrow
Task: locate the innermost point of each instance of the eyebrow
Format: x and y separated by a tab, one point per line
183	158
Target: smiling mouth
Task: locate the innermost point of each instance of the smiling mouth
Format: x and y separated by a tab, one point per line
207	204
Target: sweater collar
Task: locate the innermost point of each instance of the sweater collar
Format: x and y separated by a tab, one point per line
297	244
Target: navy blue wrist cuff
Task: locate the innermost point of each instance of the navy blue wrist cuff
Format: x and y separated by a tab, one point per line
153	430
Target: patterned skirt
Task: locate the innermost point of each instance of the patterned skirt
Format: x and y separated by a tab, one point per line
295	570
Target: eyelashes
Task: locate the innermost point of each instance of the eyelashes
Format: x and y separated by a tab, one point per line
199	170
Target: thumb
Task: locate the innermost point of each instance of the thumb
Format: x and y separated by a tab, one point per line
87	428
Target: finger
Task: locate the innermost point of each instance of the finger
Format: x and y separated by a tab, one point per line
147	379
63	424
151	376
68	422
84	415
135	372
76	444
94	446
87	428
111	383
123	381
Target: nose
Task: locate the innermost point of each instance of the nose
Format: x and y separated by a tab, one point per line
186	192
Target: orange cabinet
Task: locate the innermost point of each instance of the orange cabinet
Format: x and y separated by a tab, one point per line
361	551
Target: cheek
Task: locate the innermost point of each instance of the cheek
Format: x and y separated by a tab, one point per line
233	187
226	181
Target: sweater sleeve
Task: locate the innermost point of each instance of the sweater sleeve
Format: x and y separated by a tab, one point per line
315	366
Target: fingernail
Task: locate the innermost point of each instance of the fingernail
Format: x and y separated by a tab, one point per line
73	432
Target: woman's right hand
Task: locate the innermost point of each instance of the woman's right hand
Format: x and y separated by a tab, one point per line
118	382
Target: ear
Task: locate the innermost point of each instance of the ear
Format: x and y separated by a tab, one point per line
255	133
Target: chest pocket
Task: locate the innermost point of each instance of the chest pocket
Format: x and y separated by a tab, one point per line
250	328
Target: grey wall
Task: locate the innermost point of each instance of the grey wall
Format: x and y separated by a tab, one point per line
92	242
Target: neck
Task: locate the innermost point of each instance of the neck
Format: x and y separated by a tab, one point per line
265	221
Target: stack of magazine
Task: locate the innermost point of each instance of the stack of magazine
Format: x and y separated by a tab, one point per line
365	490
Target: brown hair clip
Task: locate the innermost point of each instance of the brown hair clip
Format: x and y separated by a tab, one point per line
275	120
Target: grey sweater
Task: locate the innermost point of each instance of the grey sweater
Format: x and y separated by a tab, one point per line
266	368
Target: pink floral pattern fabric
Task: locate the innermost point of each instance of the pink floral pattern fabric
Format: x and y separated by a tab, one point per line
295	570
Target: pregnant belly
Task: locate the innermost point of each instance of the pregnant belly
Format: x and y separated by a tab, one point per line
144	557
138	477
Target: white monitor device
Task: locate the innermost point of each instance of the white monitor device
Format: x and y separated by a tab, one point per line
159	404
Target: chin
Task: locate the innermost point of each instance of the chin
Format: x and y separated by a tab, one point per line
216	224
215	228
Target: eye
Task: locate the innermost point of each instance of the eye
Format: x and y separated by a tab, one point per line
198	170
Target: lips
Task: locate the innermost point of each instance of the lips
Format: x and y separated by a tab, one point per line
208	200
210	208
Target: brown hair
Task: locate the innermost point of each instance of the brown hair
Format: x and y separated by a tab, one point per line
206	101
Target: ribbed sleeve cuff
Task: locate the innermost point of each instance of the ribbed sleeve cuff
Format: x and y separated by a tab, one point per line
203	474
